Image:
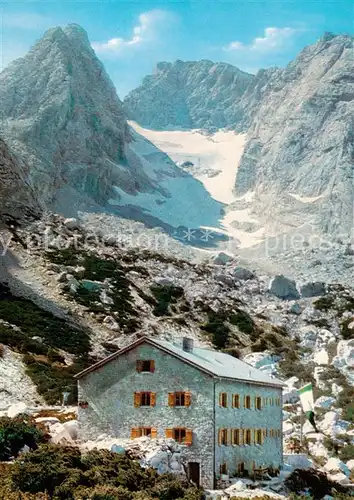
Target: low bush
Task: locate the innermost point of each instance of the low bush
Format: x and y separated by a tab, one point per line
63	473
165	296
17	432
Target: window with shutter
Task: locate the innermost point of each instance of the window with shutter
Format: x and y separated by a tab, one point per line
223	437
152	398
134	433
236	401
137	399
223	399
223	468
248	436
187	398
258	436
235	437
258	403
179	399
179	434
189	437
154	433
145	365
247	402
171	399
145	399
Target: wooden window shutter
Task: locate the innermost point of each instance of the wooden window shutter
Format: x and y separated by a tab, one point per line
241	436
232	436
152	366
189	437
152	398
154	432
137	399
219	437
220	398
171	399
139	365
187	398
134	433
169	433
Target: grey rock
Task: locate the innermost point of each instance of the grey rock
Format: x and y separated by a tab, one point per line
62	277
242	273
295	309
222	258
225	278
313	289
187	94
283	288
71	223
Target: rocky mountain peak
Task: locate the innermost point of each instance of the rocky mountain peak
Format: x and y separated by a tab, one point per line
186	94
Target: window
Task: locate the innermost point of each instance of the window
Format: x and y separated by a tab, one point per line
258	436
180	434
236	437
144	399
143	431
145	365
247	402
258	403
241	468
235	401
223	437
179	398
223	468
223	399
248	436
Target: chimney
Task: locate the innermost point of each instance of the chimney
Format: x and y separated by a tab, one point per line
187	344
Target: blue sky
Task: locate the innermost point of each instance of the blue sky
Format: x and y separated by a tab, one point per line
131	36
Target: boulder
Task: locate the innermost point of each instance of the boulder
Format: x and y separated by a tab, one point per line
321	357
345	354
335	465
325	402
225	278
71	426
71	223
222	258
17	409
350	464
295	308
283	288
47	420
242	273
313	289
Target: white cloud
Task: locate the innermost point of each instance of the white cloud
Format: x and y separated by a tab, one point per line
274	40
25	20
150	24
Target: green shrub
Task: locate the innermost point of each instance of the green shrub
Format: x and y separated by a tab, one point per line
243	321
63	473
17	432
165	295
347	453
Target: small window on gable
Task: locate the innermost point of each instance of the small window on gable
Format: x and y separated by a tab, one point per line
223	399
258	403
145	365
247	402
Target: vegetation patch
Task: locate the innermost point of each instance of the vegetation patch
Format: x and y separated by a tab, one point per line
36	322
15	433
100	269
40	336
347	333
64	473
165	296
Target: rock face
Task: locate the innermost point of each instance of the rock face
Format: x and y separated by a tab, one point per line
187	95
17	194
299	151
60	113
299	154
